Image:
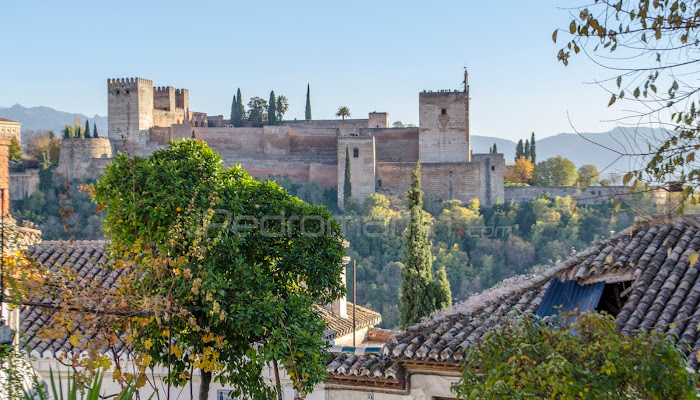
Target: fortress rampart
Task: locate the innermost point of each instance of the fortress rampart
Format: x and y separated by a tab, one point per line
84	158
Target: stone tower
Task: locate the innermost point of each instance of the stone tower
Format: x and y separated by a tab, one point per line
130	112
444	127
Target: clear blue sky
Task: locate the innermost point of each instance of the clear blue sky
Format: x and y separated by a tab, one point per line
367	55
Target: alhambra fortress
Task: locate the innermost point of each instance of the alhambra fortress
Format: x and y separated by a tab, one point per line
143	118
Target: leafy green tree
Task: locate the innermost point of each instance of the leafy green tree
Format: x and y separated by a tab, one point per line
15	150
519	150
397	124
87	133
527	358
417	293
494	149
257	111
347	182
272	109
240	113
244	301
533	156
343	112
555	171
587	175
68	131
282	107
94	131
307	113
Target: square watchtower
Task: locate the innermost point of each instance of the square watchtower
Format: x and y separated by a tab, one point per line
443	136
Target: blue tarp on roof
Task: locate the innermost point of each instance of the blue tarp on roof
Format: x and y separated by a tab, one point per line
569	295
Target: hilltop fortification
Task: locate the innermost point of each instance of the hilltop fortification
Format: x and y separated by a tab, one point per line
143	118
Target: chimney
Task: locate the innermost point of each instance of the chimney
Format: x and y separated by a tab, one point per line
5	174
339	307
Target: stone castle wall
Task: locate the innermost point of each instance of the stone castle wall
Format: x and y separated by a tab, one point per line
84	158
395	144
590	195
23	184
442	181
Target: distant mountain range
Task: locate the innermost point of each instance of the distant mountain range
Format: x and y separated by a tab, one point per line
585	148
599	149
34	119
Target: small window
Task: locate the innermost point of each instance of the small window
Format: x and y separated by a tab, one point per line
493	168
592	191
600	193
450	174
127	91
117	92
444	111
379	182
355	152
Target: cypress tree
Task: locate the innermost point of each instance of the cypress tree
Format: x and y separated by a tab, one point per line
443	294
347	185
87	129
94	131
417	291
239	115
526	153
519	151
272	109
234	103
308	102
532	148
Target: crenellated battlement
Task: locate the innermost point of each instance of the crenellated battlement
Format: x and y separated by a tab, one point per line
128	81
162	89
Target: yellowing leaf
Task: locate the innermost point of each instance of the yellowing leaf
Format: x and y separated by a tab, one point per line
612	100
626	179
693	258
572	27
690	157
74	339
554	36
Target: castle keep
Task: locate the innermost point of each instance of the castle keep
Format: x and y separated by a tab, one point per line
143	118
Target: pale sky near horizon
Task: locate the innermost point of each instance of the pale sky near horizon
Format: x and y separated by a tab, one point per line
368	56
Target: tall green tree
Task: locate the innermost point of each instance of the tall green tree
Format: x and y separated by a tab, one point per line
257	111
417	292
272	109
234	108
308	102
554	171
68	131
240	114
494	149
533	156
243	301
526	152
347	184
587	175
282	107
94	130
87	133
519	150
443	294
15	150
343	112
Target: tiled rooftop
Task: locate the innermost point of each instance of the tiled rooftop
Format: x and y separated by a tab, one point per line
90	260
665	294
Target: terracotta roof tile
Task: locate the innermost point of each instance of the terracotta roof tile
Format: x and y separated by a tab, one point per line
665	294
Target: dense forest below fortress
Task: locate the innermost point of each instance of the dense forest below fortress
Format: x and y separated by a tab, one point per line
478	246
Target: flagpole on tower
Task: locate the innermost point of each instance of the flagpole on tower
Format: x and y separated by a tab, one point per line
466	80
